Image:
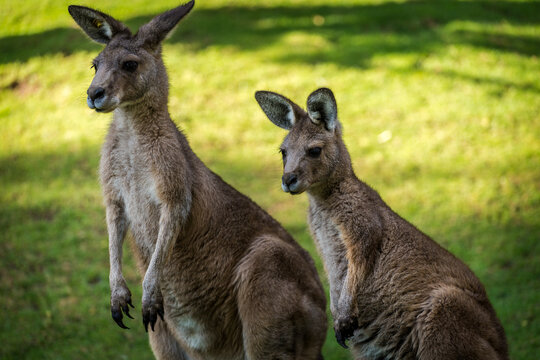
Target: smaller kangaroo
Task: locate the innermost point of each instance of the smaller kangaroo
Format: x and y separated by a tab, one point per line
394	292
227	281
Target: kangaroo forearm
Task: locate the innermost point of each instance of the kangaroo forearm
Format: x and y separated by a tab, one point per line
361	245
171	221
336	270
117	227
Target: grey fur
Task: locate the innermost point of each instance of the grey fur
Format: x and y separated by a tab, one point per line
227	281
394	292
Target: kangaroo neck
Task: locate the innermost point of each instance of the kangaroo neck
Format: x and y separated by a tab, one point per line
143	116
337	185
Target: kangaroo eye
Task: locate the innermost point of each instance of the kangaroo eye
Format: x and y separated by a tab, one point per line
283	153
94	66
314	152
130	66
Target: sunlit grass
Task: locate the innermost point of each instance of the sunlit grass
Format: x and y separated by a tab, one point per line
440	103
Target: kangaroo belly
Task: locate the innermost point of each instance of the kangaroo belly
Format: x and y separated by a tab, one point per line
143	216
192	331
202	326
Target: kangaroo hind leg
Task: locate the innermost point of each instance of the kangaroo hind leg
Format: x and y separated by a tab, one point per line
281	308
457	325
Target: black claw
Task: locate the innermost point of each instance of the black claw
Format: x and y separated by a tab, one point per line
121	324
344	330
130	304
153	318
161	314
340	339
126	311
117	317
145	323
149	317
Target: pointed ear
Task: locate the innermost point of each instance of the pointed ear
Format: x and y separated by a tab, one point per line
98	26
278	108
322	108
151	35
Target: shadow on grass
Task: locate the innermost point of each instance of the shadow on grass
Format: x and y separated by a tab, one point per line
61	166
352	34
501	84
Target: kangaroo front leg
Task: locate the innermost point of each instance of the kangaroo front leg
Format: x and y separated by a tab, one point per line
120	294
171	219
345	320
361	237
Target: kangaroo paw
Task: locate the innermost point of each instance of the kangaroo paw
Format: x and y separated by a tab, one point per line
344	329
120	302
152	308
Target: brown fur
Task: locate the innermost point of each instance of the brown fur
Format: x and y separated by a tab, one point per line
227	280
394	292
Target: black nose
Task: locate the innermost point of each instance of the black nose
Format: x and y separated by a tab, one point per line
289	179
96	93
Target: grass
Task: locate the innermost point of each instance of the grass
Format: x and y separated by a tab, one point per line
440	103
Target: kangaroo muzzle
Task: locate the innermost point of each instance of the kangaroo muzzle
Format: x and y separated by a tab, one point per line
96	97
289	183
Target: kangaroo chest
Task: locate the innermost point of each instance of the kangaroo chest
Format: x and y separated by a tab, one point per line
131	179
133	182
332	250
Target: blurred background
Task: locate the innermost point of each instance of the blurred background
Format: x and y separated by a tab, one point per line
440	103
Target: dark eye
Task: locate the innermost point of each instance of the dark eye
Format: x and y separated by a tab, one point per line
283	153
130	66
314	152
94	66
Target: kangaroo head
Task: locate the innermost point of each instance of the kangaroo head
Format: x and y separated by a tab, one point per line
312	149
130	68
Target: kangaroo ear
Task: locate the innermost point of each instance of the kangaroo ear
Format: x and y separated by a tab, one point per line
98	26
278	108
154	32
322	108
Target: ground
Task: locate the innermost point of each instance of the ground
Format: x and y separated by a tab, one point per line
440	103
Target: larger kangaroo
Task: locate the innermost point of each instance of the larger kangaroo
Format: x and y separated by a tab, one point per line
394	292
227	281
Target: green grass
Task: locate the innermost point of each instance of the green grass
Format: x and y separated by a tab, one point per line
452	86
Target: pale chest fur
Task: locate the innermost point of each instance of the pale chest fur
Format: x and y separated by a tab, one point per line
126	173
331	249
